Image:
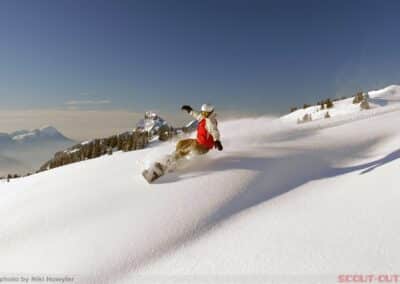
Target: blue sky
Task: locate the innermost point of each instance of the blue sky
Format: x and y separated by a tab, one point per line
259	56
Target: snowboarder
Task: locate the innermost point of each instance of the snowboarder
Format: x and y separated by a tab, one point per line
208	137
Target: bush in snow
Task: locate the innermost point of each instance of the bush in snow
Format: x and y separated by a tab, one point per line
292	109
325	104
306	106
329	103
306	118
358	98
364	104
327	115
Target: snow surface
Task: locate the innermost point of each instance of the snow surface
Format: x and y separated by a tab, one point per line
283	203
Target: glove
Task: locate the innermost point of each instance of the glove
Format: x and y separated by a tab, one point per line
186	108
218	145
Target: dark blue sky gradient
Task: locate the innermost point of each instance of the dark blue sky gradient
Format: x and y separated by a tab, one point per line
262	56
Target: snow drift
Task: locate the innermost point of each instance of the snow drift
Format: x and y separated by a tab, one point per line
282	203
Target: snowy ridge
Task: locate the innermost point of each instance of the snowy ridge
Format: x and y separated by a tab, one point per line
307	202
379	101
392	90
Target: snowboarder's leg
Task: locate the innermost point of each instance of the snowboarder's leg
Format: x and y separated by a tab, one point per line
199	149
184	147
187	146
169	163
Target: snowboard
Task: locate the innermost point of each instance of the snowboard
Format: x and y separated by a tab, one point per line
167	164
159	169
154	172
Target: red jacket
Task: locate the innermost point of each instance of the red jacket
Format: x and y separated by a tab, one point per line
203	137
207	129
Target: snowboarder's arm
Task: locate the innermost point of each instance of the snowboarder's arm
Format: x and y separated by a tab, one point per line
212	128
196	114
218	145
192	112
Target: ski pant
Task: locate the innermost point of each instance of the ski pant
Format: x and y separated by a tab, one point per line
186	146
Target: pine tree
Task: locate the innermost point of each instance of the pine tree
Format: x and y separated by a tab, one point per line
90	150
96	149
329	103
120	142
109	151
358	98
364	104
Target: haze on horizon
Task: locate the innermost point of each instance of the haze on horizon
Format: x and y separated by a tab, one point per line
93	67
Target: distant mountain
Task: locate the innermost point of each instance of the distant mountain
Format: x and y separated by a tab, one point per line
47	133
24	151
18	132
5	139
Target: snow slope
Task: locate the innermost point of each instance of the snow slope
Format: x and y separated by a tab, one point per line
283	203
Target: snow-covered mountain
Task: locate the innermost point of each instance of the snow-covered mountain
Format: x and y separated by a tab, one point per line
152	123
283	203
44	134
24	151
47	133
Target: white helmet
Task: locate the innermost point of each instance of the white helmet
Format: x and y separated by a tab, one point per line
207	108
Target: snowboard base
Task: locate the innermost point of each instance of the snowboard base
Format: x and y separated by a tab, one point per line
165	165
154	173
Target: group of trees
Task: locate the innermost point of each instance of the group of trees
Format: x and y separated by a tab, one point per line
127	141
358	98
11	176
324	104
362	99
306	118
